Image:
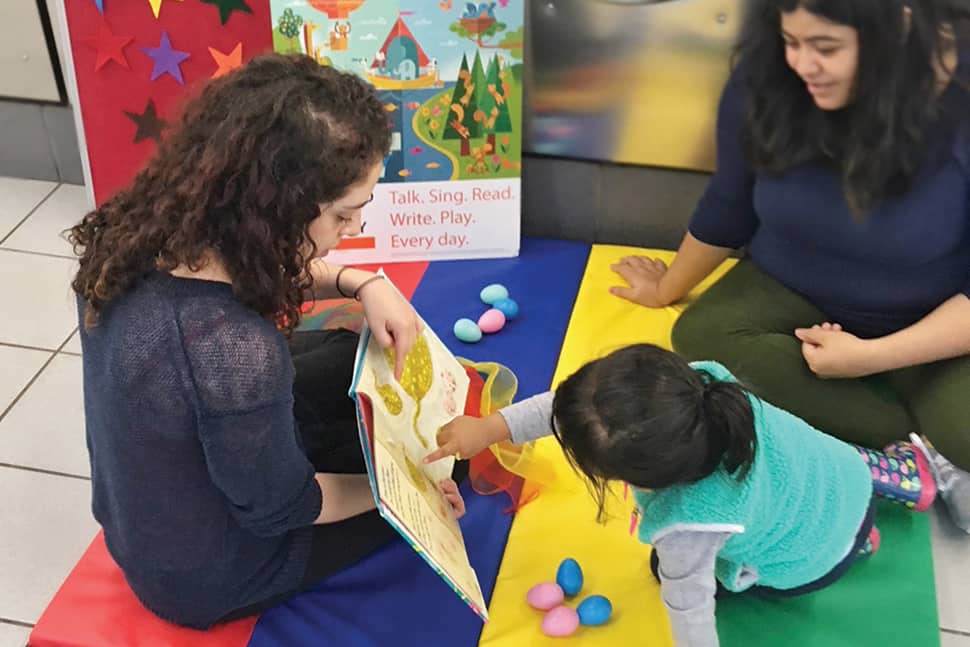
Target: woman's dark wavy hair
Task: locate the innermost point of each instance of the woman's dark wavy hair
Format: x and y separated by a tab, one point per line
644	416
881	140
243	175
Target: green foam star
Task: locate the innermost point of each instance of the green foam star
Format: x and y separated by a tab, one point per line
226	7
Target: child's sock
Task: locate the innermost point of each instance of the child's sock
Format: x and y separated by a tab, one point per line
952	483
901	473
872	543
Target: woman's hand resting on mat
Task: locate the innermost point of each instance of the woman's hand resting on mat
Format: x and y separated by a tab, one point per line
450	489
466	436
643	275
830	352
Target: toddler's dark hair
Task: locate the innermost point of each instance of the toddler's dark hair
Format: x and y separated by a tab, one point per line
642	415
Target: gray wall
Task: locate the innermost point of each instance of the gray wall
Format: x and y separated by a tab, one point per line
607	203
562	198
38	141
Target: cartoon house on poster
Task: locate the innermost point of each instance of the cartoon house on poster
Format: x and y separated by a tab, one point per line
401	63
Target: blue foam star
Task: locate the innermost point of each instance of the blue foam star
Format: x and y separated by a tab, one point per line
100	5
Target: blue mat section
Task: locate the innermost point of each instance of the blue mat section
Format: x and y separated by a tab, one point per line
393	597
543	280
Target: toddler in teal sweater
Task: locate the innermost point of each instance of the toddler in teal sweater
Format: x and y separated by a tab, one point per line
733	493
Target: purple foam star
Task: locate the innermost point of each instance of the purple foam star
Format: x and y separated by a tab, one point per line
166	59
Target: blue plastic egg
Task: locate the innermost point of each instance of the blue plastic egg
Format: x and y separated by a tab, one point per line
492	293
467	331
569	577
508	307
594	610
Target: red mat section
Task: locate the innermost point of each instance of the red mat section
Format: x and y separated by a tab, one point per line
95	607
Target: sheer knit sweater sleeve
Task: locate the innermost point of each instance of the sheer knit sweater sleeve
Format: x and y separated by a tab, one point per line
242	376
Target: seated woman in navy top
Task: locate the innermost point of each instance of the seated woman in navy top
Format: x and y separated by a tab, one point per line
843	166
225	460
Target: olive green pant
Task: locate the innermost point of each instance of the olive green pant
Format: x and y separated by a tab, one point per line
746	321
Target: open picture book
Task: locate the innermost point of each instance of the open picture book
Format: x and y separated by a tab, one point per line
398	422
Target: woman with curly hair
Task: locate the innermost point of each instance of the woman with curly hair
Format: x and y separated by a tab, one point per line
225	460
844	168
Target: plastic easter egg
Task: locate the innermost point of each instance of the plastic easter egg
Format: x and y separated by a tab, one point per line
467	331
594	610
492	321
545	596
570	576
560	622
508	307
492	293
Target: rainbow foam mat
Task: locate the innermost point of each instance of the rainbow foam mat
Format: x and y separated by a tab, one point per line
393	599
896	583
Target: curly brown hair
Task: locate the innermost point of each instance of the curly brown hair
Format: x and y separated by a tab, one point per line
255	155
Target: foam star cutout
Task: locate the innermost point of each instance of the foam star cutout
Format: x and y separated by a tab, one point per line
226	62
100	5
109	47
226	7
148	125
167	59
156	6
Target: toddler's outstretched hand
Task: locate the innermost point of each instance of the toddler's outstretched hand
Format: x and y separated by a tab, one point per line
450	489
466	436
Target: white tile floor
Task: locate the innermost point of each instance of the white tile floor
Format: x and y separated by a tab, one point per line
948	639
45	517
45	513
13	635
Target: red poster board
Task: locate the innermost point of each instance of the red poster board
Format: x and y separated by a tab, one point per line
113	75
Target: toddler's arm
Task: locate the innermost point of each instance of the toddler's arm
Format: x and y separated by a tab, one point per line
521	422
529	419
687	583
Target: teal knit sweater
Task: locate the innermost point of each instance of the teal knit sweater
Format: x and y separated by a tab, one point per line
794	517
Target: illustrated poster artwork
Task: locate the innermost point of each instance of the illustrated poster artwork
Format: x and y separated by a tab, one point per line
450	77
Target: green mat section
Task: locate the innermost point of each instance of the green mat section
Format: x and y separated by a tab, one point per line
885	600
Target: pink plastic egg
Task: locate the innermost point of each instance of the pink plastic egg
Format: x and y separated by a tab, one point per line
491	321
545	596
561	621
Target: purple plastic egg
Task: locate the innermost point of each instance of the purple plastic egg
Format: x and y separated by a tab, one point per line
492	321
560	622
545	596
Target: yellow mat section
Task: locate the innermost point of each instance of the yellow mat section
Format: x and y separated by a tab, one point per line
562	521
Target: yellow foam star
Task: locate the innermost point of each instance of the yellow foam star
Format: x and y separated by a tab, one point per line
157	6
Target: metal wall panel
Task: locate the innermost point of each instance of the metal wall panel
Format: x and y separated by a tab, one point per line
628	81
